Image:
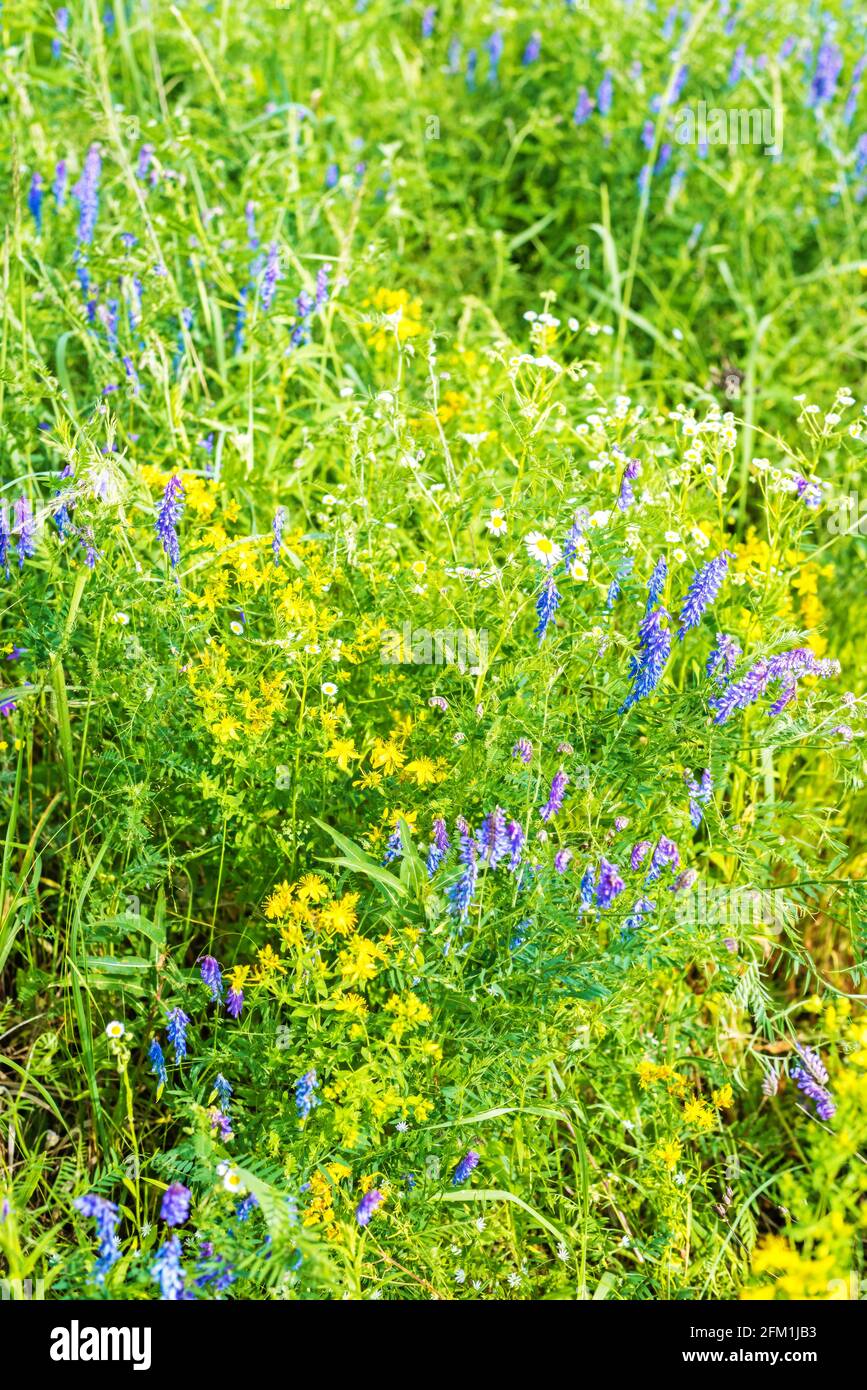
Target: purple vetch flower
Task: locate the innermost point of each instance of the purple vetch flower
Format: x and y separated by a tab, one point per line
301	332
461	894
107	1217
176	1031
61	20
241	320
494	45
552	806
277	533
472	60
170	512
516	837
59	187
25	525
212	976
492	839
648	134
234	1002
270	277
609	885
86	193
65	498
666	852
546	606
533	49
634	920
574	534
5	539
587	889
439	846
145	155
626	499
367	1206
737	67
702	592
168	1270
332	175
562	860
428	21
523	749
700	794
583	107
175	1207
158	1063
829	65
786	667
810	491
454	55
463	1170
684	881
811	1077
656	583
305	1094
34	201
224	1092
624	570
393	847
321	297
605	94
221	1125
723	658
665	152
654	650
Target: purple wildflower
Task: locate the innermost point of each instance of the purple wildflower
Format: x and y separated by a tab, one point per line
145	155
702	592
494	45
34	201
158	1063
559	783
428	21
463	1170
583	107
533	49
305	1094
175	1206
86	192
223	1090
811	1077
829	65
609	885
461	894
588	888
234	1002
492	839
106	1216
170	512
168	1270
176	1030
212	976
700	794
605	94
516	838
666	852
523	749
626	498
562	860
61	20
277	533
655	648
546	606
25	525
367	1206
322	275
439	846
59	188
723	658
656	582
787	667
270	277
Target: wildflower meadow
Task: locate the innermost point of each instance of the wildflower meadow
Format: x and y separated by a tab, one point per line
433	532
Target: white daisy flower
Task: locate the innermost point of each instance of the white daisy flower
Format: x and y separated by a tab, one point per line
540	548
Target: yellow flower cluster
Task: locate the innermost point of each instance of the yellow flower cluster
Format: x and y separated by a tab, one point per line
399	315
320	1209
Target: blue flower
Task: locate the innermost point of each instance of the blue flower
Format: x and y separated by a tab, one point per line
176	1029
168	1270
655	648
702	592
463	1170
305	1097
168	516
175	1207
106	1216
158	1063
